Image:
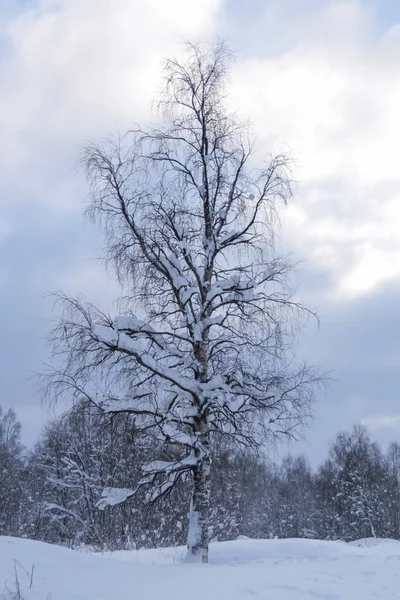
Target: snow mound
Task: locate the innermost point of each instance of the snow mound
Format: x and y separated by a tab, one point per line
370	542
243	551
274	569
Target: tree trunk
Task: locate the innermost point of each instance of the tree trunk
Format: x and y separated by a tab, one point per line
197	540
372	528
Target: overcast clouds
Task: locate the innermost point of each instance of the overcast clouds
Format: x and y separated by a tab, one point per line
319	77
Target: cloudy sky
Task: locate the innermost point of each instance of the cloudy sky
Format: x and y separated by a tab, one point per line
321	77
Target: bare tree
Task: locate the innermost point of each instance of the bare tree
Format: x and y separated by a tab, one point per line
205	345
11	467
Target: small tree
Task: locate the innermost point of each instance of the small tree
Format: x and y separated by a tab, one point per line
11	471
358	485
204	345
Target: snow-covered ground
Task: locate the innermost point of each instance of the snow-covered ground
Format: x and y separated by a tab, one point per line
240	570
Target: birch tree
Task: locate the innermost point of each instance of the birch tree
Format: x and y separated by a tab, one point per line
204	342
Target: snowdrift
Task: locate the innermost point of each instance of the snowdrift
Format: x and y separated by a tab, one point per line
274	569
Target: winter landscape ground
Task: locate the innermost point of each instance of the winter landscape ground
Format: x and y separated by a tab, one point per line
291	569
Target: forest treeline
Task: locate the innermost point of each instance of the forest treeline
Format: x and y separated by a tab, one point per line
50	492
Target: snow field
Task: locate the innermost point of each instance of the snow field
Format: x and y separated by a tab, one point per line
239	570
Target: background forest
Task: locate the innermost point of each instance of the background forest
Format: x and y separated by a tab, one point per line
50	492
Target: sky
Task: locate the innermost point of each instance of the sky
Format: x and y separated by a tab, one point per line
321	78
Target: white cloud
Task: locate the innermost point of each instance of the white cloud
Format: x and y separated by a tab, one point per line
334	99
378	422
76	69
